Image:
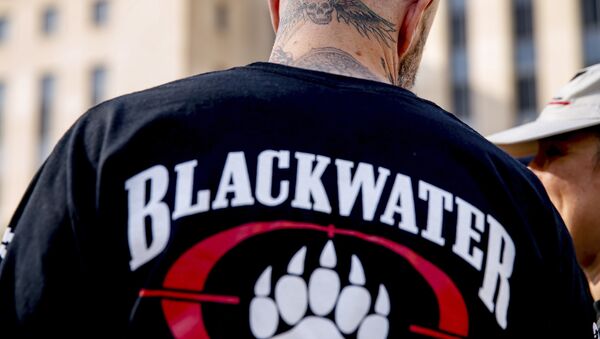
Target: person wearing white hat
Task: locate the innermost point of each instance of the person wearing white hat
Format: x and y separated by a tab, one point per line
564	145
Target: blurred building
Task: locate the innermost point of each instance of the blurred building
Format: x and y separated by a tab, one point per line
494	63
60	57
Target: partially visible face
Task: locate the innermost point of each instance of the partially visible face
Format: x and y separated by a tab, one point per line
568	167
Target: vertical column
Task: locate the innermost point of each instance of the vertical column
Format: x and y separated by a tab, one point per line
20	70
433	79
150	37
6	9
259	30
216	29
491	64
558	34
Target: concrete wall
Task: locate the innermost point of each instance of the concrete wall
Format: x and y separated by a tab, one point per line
143	44
491	64
220	41
490	45
558	34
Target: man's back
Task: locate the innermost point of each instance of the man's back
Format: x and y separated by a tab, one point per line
269	201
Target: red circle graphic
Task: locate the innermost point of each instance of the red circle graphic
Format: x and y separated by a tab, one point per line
187	277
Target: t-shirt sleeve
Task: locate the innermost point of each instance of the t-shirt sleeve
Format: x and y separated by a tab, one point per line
41	265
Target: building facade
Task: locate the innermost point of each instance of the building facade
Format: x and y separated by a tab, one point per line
58	58
493	63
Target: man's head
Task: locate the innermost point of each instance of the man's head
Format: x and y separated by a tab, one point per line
565	144
392	33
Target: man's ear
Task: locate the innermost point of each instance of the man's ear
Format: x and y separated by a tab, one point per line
411	24
274	9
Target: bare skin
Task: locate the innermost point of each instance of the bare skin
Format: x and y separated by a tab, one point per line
568	167
374	40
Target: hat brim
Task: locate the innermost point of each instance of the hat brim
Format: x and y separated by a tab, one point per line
522	140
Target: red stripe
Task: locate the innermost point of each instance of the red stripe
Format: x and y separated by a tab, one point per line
561	103
431	333
197	297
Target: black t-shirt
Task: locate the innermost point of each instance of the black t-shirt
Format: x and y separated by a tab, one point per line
267	201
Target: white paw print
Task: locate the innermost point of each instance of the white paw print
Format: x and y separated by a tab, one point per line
324	295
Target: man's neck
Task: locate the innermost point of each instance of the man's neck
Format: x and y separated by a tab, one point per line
361	46
328	59
337	61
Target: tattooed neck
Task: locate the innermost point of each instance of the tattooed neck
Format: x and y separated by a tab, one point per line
327	23
354	13
326	59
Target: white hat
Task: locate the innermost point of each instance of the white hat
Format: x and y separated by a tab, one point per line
576	106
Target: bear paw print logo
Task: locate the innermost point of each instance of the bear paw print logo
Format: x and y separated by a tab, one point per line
350	306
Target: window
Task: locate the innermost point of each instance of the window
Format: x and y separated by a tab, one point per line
591	12
2	107
591	31
47	98
523	14
459	23
221	17
2	97
100	12
2	115
526	98
3	28
50	21
461	97
460	64
526	85
98	85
